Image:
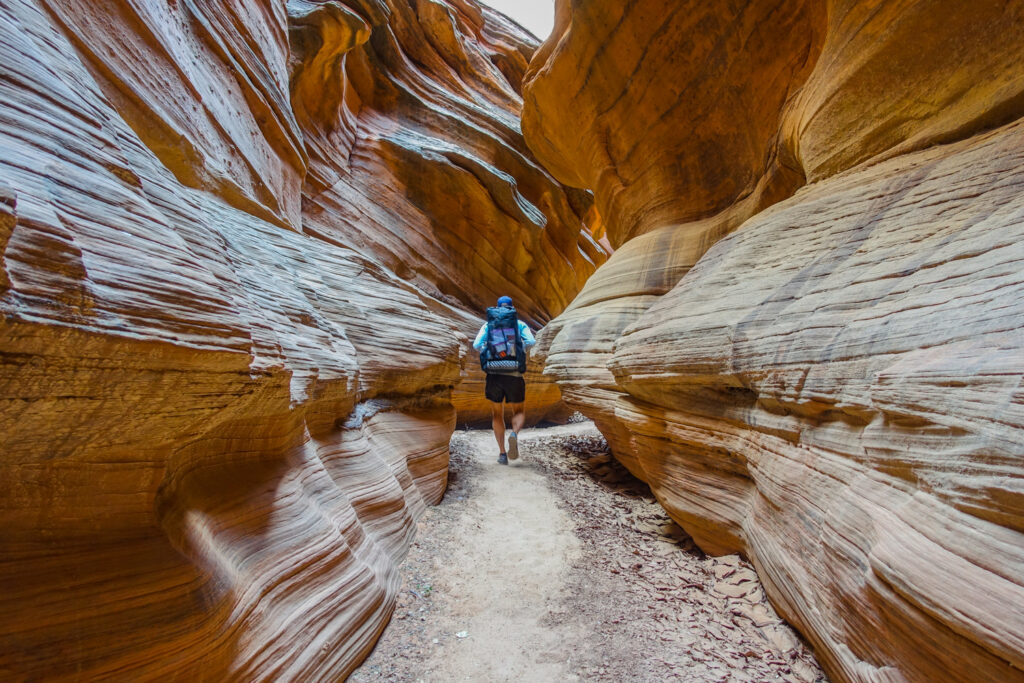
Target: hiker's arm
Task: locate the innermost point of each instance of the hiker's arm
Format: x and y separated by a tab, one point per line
481	336
526	335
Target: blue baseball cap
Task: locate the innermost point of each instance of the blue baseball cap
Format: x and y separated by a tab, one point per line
502	300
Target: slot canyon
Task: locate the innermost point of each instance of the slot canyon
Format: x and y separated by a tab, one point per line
774	251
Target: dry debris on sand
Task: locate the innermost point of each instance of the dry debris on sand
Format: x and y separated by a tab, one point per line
563	567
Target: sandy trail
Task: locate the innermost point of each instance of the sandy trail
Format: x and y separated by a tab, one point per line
562	567
517	548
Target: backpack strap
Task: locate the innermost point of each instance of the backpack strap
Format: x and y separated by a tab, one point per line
520	347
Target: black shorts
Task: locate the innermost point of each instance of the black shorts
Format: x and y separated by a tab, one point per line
505	388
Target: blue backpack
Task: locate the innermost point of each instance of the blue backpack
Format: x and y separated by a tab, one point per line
503	352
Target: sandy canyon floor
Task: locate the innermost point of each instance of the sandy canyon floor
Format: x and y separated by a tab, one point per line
562	567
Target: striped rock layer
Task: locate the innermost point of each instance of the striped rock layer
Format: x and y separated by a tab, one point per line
242	245
810	339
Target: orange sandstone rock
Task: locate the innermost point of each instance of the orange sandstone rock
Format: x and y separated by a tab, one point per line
898	77
848	413
826	379
466	213
429	101
670	112
232	313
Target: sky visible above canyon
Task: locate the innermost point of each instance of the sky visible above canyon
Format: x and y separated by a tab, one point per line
536	15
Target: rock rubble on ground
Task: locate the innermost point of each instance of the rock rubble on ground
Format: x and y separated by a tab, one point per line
639	603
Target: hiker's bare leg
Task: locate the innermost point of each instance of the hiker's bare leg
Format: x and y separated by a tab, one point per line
518	416
498	423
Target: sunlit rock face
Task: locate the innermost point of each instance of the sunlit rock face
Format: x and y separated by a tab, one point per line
241	249
811	346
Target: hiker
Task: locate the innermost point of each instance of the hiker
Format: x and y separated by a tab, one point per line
502	342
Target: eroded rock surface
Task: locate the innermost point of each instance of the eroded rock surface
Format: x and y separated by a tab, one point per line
827	379
241	243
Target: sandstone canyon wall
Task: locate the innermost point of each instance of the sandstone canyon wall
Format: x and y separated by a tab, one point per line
809	340
241	247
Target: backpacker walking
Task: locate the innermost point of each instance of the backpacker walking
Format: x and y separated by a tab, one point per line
502	342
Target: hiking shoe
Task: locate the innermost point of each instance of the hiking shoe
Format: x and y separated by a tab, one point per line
502	459
513	446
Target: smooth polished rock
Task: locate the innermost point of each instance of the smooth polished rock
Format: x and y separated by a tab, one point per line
418	161
849	412
670	111
232	316
897	77
825	377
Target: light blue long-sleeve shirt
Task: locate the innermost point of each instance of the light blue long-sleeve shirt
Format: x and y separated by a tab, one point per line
524	334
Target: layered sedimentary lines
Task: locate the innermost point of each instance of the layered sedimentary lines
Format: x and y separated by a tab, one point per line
834	388
233	312
852	410
411	117
418	159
